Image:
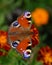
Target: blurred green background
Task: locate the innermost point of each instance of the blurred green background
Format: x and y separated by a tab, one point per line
9	11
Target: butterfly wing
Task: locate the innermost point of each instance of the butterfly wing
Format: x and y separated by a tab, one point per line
25	20
17	32
24	47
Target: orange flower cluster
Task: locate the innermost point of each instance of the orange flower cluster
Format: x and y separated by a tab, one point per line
3	42
45	55
35	36
40	16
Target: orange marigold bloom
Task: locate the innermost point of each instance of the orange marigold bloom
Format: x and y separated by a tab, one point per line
45	55
40	16
3	42
35	36
3	38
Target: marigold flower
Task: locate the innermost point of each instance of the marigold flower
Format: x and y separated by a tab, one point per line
40	16
35	36
3	38
45	55
3	42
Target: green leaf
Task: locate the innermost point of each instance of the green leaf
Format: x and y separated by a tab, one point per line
5	27
2	18
43	37
38	63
